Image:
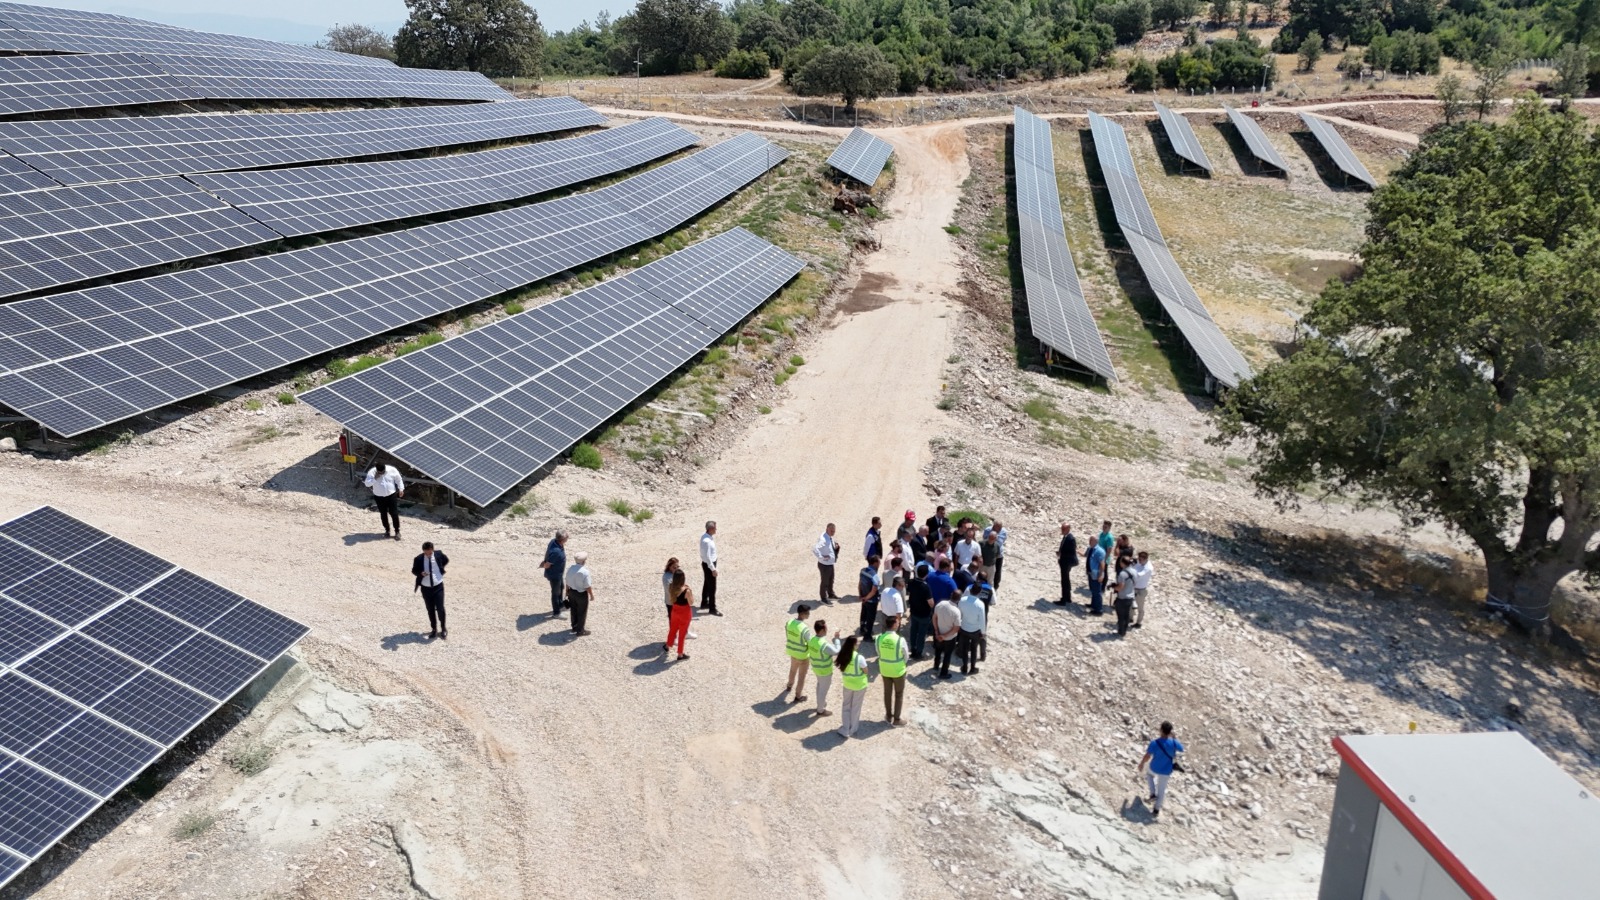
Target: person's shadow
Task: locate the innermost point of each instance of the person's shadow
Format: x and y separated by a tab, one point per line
1101	637
823	741
557	638
528	620
364	537
1135	810
394	641
1047	606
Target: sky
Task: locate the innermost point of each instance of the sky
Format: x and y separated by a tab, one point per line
306	20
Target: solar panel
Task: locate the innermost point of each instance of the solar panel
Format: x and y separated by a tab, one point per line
41	29
1256	139
1058	314
306	200
1221	360
81	151
77	361
16	175
481	412
63	235
89	699
39	83
1182	137
223	78
861	156
1334	145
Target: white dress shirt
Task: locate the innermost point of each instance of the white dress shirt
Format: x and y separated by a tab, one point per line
385	481
708	550
826	550
579	578
973	616
893	602
966	552
431	576
1141	575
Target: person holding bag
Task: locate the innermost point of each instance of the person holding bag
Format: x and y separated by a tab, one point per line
1162	758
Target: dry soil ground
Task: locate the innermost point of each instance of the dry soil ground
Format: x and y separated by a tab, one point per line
516	760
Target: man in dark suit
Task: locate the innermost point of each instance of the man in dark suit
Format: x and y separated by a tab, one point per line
428	569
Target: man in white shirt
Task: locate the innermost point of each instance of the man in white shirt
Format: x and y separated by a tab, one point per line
999	532
387	489
974	622
893	603
826	551
428	569
966	551
580	590
1142	573
708	569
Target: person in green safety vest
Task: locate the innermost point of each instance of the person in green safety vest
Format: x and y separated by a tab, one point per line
797	640
853	671
821	650
892	653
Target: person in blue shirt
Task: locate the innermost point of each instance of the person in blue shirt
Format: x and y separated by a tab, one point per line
1162	758
1097	580
940	584
555	569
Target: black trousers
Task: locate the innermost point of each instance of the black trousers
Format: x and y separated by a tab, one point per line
968	644
708	589
999	566
869	615
1124	608
825	588
433	599
389	508
579	601
555	596
1066	582
942	651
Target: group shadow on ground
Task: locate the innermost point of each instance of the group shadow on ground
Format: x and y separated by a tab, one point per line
1373	613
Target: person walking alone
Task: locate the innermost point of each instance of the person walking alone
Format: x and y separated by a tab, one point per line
555	566
892	653
821	652
1142	573
387	489
946	633
827	554
682	612
1162	758
853	671
1066	561
1123	603
797	643
708	569
428	568
868	587
580	590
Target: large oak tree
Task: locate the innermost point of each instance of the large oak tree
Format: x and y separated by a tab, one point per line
500	38
1457	376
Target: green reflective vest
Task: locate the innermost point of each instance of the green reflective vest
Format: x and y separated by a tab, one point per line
798	634
821	659
891	655
855	674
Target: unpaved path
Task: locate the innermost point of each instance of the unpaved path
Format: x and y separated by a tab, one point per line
643	778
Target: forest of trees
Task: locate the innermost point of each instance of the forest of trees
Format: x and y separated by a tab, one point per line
898	46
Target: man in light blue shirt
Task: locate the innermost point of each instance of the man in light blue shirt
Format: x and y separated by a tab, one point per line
1097	580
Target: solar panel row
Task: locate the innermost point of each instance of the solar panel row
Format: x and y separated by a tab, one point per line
1058	314
25	28
1334	145
299	201
1256	139
861	156
109	655
84	151
1182	137
1220	359
77	361
39	83
481	412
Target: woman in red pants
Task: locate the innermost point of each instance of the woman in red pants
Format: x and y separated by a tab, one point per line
682	613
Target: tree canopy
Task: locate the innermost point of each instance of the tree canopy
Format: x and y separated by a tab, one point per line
854	72
500	38
1457	376
677	35
360	40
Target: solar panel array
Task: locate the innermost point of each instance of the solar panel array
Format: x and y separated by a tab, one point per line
1256	139
25	28
1057	311
299	201
67	234
1182	137
83	151
1221	360
861	156
108	657
222	78
76	361
1334	145
30	84
481	412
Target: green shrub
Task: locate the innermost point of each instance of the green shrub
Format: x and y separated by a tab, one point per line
419	342
581	508
251	760
513	308
764	410
253	404
287	398
780	378
193	824
587	456
746	64
974	480
797	360
643	515
621	507
982	519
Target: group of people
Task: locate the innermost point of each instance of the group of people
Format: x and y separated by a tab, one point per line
1108	561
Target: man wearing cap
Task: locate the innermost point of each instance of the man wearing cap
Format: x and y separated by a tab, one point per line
580	590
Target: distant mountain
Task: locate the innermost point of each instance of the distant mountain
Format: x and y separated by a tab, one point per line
249	26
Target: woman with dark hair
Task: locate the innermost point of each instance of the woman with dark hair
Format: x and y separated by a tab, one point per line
682	612
853	671
666	582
